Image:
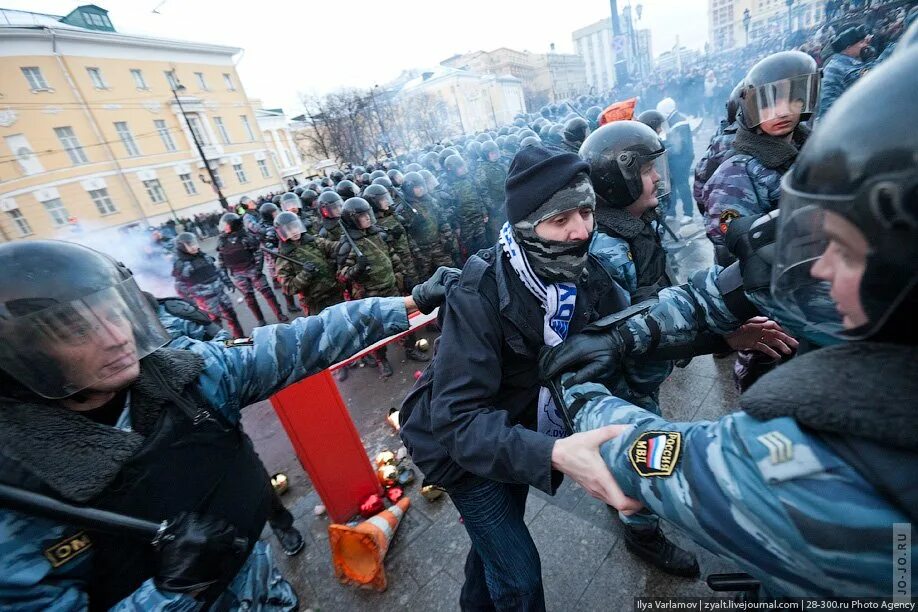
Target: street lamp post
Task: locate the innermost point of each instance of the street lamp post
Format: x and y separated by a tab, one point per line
747	19
214	183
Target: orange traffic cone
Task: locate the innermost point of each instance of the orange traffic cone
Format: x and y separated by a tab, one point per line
358	552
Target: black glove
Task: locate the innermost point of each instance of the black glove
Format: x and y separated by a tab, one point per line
194	552
752	241
396	232
432	292
310	268
361	265
591	356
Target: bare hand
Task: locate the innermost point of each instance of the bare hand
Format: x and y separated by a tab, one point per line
578	457
763	335
410	306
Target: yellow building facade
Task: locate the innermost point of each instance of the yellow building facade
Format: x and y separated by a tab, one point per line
92	136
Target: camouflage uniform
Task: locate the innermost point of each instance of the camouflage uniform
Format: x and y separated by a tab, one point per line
245	272
491	177
771	495
319	290
383	273
251	221
838	74
231	379
330	230
197	278
398	243
718	150
471	213
429	236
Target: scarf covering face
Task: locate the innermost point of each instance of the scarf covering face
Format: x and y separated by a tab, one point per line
555	261
558	301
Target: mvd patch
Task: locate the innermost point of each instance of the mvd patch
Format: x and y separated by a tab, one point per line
726	217
655	453
68	549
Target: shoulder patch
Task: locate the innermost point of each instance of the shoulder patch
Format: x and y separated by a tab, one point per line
726	217
68	549
237	342
656	453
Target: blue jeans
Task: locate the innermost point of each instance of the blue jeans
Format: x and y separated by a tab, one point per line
503	570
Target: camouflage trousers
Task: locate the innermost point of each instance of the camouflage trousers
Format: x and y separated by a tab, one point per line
248	281
216	304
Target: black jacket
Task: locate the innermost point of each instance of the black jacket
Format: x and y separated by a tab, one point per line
474	409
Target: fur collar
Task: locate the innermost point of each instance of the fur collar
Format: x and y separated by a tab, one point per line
772	152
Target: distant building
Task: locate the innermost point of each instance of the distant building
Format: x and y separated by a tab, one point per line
277	133
544	77
469	101
673	60
91	136
601	50
766	18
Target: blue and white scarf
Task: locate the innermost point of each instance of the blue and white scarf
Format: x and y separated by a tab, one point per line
558	302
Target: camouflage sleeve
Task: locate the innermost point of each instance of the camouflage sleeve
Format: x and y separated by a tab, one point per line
682	312
29	582
280	355
728	194
286	273
762	493
614	255
179	327
347	259
328	247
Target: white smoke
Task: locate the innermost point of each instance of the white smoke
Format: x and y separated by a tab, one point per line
132	246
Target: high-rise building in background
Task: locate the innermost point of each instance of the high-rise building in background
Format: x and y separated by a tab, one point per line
727	20
601	50
92	137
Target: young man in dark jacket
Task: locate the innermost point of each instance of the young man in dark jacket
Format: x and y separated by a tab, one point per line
477	423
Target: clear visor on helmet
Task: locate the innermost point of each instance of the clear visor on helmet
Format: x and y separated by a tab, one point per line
332	210
189	243
365	219
57	349
293	203
781	99
223	226
291	230
801	241
635	168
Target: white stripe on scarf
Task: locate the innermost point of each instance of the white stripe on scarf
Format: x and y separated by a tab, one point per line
558	302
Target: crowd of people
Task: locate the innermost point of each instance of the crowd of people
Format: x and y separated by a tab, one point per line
556	335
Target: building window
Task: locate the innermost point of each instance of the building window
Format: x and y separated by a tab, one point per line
228	81
57	211
172	79
188	184
263	167
194	123
22	151
221	129
240	173
202	84
164	134
155	191
103	201
71	145
35	78
139	81
21	223
247	127
95	75
124	133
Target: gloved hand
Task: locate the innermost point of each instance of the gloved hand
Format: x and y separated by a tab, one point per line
396	232
432	292
591	356
194	552
361	265
310	268
752	241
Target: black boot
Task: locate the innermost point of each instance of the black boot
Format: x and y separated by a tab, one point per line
233	322
290	540
385	368
653	547
415	354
